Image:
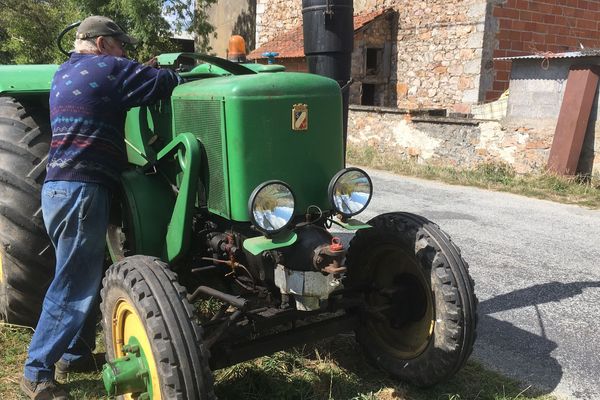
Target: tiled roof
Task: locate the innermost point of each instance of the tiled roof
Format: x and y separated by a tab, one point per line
290	44
361	20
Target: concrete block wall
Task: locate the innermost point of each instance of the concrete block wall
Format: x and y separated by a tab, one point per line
537	88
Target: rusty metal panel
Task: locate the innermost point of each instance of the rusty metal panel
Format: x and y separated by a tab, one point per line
573	119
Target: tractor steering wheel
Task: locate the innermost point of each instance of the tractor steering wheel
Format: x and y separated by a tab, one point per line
61	34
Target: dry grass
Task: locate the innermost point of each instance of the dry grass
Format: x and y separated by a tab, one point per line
332	369
583	191
13	351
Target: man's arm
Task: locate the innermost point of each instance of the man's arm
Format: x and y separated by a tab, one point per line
144	84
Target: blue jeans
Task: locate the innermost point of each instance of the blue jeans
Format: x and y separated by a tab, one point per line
76	219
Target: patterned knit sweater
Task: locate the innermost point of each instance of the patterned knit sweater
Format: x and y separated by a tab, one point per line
89	98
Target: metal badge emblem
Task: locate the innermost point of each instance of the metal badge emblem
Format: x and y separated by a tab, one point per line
300	117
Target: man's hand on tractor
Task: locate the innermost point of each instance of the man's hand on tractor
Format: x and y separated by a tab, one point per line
153	62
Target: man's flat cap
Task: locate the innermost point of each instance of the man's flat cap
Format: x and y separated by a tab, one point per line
97	25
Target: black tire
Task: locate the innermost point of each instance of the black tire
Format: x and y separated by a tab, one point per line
26	255
119	239
167	318
427	327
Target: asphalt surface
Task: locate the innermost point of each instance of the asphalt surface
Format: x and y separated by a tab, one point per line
536	266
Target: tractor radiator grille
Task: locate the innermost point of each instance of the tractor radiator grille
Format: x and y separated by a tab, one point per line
204	118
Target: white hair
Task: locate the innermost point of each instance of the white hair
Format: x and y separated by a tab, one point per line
85	45
89	45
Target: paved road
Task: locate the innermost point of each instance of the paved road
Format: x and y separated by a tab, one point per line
536	266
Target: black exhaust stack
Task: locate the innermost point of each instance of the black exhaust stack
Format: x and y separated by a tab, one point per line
328	43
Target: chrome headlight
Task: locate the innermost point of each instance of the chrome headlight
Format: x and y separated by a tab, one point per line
271	206
350	191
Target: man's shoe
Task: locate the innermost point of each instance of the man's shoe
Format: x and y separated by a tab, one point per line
45	390
92	363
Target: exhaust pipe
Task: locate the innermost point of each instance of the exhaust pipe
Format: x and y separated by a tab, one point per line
328	42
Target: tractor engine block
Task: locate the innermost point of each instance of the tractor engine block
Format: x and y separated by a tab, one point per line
312	268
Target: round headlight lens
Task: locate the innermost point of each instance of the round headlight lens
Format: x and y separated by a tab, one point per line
350	191
271	206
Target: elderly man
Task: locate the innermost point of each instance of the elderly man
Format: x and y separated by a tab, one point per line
90	96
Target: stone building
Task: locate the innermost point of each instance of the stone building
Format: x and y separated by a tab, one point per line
371	57
444	51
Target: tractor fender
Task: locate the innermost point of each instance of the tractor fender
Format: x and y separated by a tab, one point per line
159	215
26	79
149	201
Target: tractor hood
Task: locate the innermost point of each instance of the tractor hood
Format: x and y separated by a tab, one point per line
260	85
280	126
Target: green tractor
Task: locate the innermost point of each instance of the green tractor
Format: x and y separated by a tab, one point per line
220	239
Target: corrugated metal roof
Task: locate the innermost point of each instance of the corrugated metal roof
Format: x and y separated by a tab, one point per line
549	54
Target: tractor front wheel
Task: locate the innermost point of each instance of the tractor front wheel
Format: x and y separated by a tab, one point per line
420	319
146	316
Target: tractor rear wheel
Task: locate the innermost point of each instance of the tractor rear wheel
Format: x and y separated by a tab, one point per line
26	255
420	322
143	304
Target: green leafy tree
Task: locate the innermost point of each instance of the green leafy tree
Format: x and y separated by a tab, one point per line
4	55
192	17
28	28
31	27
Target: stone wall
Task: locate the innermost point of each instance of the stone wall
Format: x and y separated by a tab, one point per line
437	54
276	16
463	143
439	49
376	35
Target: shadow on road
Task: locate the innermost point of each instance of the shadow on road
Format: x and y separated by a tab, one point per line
518	353
521	354
535	295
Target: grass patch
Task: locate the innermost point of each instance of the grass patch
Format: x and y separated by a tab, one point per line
332	369
583	191
14	341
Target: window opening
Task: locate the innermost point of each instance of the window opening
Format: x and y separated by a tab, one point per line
373	60
368	94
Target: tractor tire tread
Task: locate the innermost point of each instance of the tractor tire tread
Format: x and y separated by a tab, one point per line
176	338
24	141
449	272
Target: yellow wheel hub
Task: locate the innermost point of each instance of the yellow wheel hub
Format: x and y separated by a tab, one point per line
412	337
127	324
